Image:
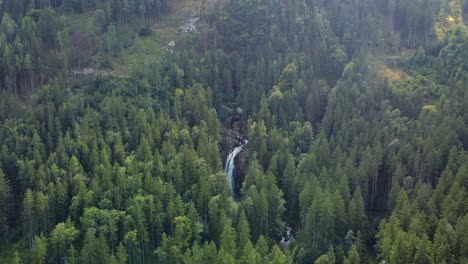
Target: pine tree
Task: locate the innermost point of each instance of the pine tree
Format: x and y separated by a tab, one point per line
243	233
356	211
424	252
110	43
328	258
353	256
39	250
262	247
228	238
121	254
89	252
249	255
276	256
61	237
28	214
71	254
5	201
17	258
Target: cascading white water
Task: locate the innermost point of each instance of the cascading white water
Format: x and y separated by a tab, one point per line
231	166
287	238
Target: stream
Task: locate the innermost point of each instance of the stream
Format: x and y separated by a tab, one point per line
287	237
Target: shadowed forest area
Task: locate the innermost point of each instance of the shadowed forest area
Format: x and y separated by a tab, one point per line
233	131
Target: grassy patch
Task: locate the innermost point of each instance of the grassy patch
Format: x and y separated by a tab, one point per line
143	51
392	75
430	107
150	49
137	50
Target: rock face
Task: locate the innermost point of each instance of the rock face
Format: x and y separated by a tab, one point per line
241	169
190	24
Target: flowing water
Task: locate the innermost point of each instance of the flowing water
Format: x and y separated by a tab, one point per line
287	237
231	166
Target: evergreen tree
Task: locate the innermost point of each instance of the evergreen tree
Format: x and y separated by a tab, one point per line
356	211
60	239
39	250
5	200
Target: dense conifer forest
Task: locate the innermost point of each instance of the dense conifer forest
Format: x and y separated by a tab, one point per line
233	131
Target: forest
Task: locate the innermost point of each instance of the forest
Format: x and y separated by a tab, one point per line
233	131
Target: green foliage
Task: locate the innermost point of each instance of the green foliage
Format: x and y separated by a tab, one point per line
105	169
61	237
39	250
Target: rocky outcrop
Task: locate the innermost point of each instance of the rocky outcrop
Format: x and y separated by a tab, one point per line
241	169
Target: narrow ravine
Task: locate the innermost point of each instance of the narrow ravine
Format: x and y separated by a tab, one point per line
234	147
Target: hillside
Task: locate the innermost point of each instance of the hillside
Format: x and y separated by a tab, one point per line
234	131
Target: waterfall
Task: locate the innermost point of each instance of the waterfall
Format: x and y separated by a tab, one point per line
231	166
287	237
